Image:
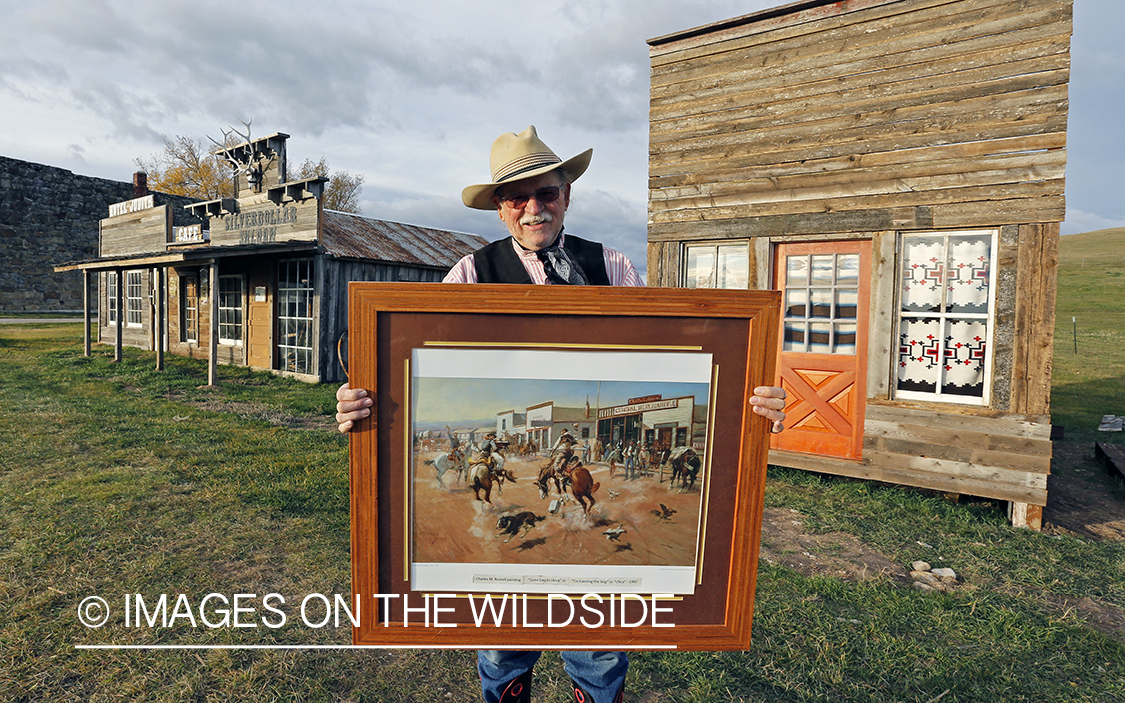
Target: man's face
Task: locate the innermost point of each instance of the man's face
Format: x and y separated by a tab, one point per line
534	224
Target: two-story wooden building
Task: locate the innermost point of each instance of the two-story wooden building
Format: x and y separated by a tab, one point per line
258	280
896	168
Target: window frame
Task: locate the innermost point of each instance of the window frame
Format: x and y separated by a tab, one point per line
686	252
238	326
189	292
111	297
305	357
134	299
988	318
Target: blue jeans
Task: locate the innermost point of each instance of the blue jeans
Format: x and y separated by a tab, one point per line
601	674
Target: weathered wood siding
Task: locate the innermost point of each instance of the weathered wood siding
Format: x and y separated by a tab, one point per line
1003	457
866	119
334	303
860	116
142	232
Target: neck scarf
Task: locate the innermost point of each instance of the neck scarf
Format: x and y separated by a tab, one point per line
559	267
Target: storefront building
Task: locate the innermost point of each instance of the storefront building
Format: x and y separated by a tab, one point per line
259	280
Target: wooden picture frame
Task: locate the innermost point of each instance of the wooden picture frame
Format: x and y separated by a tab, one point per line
393	327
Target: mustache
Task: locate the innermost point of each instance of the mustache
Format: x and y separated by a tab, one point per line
536	219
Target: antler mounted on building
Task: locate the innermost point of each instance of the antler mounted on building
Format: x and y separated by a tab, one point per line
247	159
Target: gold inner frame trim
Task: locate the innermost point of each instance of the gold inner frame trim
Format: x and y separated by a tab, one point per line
408	492
706	489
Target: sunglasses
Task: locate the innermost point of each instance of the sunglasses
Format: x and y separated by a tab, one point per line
549	194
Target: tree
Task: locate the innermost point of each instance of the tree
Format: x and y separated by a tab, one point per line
186	166
342	190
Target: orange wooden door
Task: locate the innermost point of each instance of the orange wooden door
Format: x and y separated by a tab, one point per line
826	289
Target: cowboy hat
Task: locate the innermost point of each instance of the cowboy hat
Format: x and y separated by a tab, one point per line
518	156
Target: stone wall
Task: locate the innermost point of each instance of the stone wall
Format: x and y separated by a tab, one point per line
49	216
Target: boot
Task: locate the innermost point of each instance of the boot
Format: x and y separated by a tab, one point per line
581	696
518	689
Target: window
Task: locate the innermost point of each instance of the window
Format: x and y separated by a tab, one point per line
133	298
945	317
230	310
718	266
295	315
111	297
189	309
821	302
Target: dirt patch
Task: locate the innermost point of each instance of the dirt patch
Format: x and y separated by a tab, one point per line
258	411
837	554
1082	499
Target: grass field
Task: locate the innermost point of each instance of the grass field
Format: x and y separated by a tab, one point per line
1089	383
117	479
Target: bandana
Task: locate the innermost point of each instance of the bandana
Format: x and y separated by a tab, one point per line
559	267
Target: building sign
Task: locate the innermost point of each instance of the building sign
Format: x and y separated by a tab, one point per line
644	399
188	234
134	205
638	408
265	223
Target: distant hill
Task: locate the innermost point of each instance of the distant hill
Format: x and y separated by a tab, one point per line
1106	246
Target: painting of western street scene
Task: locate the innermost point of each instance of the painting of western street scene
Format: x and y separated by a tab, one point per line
538	471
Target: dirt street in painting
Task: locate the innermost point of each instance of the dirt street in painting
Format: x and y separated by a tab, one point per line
452	526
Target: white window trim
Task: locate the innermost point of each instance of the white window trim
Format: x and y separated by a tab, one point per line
242	307
111	297
139	298
989	318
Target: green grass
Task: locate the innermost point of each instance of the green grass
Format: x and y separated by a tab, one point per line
1091	299
115	478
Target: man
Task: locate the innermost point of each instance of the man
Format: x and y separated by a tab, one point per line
530	190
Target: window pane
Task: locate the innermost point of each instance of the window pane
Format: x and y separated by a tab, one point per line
967	274
847	269
822	268
846	302
733	266
820	338
844	339
919	354
820	300
794	337
922	273
796	301
796	271
701	267
964	358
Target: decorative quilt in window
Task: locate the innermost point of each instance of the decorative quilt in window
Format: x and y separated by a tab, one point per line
944	317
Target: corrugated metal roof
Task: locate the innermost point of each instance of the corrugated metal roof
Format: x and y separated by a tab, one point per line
355	237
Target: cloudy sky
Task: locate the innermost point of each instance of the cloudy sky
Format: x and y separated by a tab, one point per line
411	96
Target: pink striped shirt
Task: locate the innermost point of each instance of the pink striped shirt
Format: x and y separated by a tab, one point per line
620	270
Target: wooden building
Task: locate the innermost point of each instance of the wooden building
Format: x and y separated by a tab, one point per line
258	280
896	167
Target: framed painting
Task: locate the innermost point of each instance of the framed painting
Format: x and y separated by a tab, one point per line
554	467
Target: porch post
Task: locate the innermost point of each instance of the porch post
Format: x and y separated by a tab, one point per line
213	297
159	318
120	274
86	311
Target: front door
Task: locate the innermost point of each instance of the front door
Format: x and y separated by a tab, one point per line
826	289
259	319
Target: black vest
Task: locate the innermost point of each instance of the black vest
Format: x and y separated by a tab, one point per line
499	263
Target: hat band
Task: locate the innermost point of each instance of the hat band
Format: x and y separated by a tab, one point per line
524	164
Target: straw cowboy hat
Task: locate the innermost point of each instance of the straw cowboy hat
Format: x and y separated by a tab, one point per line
518	156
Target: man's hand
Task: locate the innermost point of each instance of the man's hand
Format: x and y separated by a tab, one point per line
768	401
351	405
